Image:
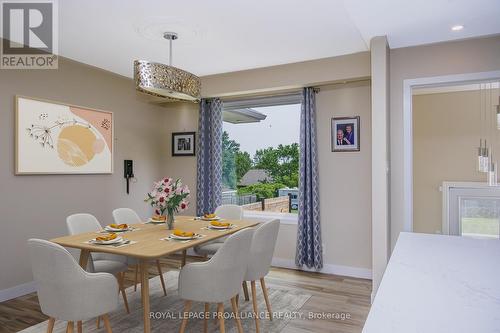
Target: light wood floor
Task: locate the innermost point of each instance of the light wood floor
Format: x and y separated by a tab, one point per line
330	294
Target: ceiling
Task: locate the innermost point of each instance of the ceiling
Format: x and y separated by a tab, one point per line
225	35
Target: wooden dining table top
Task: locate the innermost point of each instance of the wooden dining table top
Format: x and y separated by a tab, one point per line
148	238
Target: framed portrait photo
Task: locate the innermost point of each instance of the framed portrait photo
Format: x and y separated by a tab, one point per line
345	134
183	143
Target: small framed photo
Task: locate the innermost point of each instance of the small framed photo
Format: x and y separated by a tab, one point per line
183	143
345	134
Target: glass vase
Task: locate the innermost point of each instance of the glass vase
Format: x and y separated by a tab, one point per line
170	220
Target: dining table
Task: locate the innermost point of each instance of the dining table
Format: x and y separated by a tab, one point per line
149	242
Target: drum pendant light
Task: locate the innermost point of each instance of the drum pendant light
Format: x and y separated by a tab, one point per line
166	81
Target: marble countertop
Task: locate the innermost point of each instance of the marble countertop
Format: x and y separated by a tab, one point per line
441	284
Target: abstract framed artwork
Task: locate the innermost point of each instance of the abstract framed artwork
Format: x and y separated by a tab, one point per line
345	134
57	138
183	143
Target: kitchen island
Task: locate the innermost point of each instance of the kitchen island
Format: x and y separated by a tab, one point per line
439	284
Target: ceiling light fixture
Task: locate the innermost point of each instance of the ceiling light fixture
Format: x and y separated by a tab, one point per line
457	27
166	81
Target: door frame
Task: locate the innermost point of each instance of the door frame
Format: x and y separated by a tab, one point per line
408	86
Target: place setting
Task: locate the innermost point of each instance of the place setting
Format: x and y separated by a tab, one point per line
111	239
117	228
219	226
182	236
156	219
209	217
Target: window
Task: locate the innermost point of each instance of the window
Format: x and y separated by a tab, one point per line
260	143
473	211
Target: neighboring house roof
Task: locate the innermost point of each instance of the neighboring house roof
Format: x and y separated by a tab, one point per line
255	176
242	116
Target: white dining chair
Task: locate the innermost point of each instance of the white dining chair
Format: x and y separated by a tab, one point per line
67	292
259	263
228	212
129	216
99	262
218	279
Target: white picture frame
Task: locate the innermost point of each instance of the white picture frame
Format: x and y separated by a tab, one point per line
345	134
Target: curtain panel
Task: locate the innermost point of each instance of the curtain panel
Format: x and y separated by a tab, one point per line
209	161
309	248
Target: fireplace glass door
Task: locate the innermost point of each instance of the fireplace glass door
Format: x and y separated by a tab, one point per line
475	212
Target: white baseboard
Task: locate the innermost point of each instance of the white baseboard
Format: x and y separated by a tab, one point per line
17	291
356	272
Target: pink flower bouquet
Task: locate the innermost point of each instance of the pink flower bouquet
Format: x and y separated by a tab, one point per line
168	196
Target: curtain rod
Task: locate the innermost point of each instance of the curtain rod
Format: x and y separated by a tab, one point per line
317	89
319	86
263	95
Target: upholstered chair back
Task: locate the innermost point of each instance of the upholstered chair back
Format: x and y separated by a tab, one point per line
229	212
218	279
65	290
126	216
262	250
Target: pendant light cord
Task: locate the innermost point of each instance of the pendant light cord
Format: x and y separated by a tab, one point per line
170	52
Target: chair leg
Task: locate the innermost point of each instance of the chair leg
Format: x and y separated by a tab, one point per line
187	307
236	314
255	310
79	326
50	327
107	325
266	298
183	262
162	280
220	314
69	328
245	290
207	313
122	290
98	322
136	276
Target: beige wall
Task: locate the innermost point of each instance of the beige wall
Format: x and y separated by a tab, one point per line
345	186
468	56
290	76
446	130
36	206
180	117
345	179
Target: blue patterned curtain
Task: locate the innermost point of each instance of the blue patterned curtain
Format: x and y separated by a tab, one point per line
209	166
309	251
